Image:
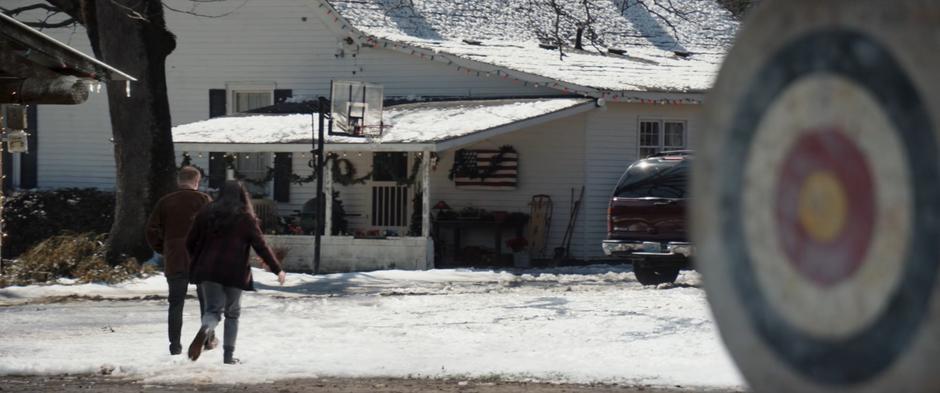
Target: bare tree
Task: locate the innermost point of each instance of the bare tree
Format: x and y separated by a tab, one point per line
132	36
738	8
574	24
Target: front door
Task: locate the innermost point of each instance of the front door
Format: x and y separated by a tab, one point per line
390	200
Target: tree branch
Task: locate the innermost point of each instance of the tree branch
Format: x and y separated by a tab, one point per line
192	10
44	23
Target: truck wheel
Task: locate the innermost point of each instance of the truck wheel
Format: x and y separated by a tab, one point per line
655	275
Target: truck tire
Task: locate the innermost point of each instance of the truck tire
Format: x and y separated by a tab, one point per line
648	275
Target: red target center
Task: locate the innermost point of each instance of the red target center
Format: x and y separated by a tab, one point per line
825	206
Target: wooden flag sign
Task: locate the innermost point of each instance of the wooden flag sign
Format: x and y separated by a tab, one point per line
487	169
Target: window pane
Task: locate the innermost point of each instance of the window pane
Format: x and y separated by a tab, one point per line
245	101
648	151
649	133
658	181
389	166
253	166
674	135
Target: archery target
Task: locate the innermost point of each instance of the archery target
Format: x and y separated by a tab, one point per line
816	198
824	245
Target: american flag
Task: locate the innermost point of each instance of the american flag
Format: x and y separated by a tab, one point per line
505	176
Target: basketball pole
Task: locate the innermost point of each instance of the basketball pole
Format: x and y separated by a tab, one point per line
318	152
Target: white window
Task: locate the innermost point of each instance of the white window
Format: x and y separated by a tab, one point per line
256	168
247	96
662	135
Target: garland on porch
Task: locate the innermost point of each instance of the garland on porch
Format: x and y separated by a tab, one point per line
230	164
188	161
412	177
344	171
465	164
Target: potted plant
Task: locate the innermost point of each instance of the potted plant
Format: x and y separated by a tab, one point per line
520	255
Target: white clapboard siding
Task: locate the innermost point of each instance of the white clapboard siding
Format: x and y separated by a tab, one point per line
551	161
611	146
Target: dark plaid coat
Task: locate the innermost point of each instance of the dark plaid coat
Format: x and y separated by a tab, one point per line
169	224
223	257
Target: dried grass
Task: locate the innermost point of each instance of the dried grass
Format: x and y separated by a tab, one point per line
75	256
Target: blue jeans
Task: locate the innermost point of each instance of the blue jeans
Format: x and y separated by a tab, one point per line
222	300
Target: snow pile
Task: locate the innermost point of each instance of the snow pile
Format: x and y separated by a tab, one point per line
507	33
600	326
410	123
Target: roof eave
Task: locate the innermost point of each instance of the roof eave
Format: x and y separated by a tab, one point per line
19	31
436	145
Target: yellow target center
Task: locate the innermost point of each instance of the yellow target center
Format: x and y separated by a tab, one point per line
822	206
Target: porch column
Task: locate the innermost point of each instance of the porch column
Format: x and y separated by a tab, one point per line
328	195
426	195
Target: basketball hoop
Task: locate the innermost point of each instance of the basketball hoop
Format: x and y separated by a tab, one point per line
356	108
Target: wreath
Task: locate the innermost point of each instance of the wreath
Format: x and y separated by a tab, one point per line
346	176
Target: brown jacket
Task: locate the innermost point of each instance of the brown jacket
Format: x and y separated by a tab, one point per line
169	224
223	257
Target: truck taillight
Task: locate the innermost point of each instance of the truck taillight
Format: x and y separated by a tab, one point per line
610	219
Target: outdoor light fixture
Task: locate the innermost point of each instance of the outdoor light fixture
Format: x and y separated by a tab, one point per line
17	141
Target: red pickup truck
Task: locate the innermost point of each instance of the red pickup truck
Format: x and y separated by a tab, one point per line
646	217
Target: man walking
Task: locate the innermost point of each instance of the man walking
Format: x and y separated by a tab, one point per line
166	233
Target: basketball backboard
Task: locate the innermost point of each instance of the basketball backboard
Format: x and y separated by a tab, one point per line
356	108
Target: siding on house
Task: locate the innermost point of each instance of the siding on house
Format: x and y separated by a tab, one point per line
271	42
551	161
611	144
76	144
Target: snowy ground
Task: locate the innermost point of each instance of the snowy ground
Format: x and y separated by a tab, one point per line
582	325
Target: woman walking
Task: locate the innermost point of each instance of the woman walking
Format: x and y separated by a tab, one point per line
218	245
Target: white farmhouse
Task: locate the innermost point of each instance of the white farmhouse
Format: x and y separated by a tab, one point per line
464	81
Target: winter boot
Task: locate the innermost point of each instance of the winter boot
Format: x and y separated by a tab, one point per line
176	349
229	356
195	348
211	342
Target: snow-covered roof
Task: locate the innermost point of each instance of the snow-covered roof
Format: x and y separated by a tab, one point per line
506	34
420	123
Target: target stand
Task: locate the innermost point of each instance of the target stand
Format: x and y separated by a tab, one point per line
817	197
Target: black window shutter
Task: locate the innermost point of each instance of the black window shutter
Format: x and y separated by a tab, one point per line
283	167
216	170
29	163
216	102
7	171
281	95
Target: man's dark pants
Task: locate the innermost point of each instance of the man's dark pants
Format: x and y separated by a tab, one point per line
179	283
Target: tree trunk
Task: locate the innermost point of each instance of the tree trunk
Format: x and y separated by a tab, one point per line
132	36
